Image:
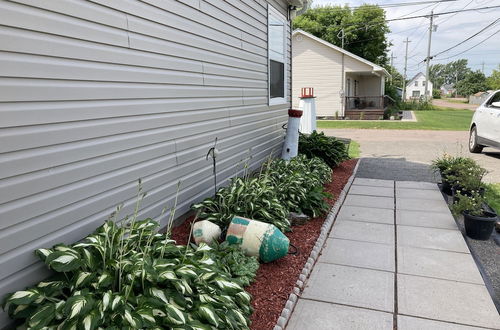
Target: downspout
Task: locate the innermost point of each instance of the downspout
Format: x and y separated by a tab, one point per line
342	92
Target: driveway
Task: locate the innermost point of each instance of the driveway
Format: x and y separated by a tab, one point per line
419	146
446	103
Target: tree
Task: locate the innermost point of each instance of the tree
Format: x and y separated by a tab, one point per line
364	29
450	73
397	78
474	82
493	80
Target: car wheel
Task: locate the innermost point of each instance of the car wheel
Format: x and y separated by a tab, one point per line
473	146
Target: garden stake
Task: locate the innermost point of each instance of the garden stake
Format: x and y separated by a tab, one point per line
213	152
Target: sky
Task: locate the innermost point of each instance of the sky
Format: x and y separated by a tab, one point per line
451	29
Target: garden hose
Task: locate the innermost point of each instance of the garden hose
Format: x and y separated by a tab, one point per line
296	252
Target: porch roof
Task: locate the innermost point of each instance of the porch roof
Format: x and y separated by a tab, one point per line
376	69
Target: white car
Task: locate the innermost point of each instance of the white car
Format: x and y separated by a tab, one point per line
485	125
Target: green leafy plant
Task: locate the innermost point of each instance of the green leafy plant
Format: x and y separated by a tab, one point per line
331	150
132	277
466	175
448	165
314	204
251	197
471	204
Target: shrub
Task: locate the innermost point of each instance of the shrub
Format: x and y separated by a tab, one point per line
472	204
436	94
131	277
416	105
331	150
466	175
447	165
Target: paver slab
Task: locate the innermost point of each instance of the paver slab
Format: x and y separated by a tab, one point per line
374	182
360	254
419	193
370	201
367	214
440	264
414	323
363	231
315	315
442	220
431	238
371	191
416	185
444	300
429	205
351	286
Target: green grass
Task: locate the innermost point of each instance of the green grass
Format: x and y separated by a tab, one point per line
441	119
455	101
354	151
492	196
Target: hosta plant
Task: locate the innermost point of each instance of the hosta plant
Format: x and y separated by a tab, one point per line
132	277
250	197
331	150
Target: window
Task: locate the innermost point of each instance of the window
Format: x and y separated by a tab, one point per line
495	98
277	56
416	83
415	94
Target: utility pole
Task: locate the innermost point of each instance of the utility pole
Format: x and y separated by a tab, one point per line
392	63
428	59
406	64
342	36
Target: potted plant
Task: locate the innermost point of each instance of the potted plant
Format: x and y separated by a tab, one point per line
447	166
478	222
466	178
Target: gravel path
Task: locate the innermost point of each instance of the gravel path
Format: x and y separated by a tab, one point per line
445	103
418	147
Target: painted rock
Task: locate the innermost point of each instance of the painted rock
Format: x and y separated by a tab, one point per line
205	232
258	239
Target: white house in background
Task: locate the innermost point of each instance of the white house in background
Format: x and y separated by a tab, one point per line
415	89
447	89
344	84
97	94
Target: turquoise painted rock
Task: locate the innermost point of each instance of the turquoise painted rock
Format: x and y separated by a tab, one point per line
258	239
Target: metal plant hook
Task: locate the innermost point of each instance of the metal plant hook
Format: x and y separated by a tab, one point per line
213	152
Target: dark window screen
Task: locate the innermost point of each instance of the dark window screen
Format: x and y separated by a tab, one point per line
277	77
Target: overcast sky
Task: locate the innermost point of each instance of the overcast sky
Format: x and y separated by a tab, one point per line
451	29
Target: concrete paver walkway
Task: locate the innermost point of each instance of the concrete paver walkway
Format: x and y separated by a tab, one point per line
394	259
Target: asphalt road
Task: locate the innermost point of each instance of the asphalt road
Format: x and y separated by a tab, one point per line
419	146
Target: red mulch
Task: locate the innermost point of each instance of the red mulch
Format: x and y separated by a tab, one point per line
276	280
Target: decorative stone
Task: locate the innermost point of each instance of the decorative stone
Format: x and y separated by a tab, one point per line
297	219
258	239
205	232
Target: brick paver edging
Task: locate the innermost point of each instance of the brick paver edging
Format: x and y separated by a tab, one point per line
325	230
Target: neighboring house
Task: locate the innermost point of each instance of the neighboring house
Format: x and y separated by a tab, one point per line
344	84
447	90
415	89
479	97
97	94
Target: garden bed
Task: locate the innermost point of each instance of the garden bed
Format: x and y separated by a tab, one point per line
275	280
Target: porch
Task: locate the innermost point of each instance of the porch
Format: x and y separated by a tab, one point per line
364	95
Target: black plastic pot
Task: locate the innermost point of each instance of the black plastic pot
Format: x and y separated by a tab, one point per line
479	227
446	187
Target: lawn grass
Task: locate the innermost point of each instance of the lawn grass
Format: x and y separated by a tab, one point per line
442	119
455	101
354	150
492	196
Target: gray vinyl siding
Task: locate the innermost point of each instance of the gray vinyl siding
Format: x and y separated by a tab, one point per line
97	94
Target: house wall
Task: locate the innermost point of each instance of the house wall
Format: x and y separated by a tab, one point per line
97	94
319	66
421	88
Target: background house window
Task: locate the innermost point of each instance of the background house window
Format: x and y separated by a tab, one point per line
416	94
277	56
416	83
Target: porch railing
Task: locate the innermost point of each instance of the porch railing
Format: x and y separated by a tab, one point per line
364	102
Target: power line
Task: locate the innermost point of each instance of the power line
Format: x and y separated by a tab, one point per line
445	58
443	13
402	4
469	38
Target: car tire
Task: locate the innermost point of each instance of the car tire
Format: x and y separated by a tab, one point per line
473	146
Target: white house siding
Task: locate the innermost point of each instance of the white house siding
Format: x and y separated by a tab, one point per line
96	94
319	66
410	88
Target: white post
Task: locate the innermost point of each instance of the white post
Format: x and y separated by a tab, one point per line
291	145
307	104
428	95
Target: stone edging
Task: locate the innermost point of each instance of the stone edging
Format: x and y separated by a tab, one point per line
325	230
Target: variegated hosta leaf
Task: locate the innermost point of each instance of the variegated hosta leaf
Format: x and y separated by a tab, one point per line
206	299
206	260
106	300
186	271
82	278
104	281
207	312
226	285
22	297
147	316
117	302
133	319
77	306
43	253
167	275
197	325
244	297
91	320
63	261
203	247
175	315
158	294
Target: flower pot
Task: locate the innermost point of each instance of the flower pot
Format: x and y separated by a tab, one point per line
446	187
479	227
